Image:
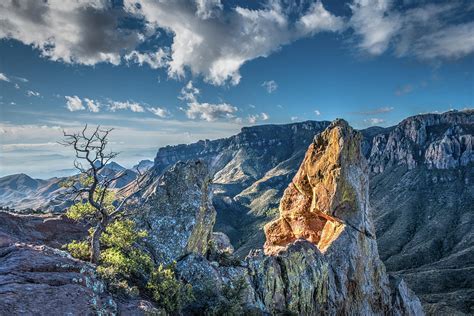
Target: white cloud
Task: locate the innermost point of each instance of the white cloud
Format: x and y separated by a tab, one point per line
92	105
155	60
452	42
215	43
161	112
31	93
271	86
17	86
208	8
210	112
85	32
373	22
319	19
294	118
127	105
423	31
317	112
205	111
4	77
374	121
254	118
74	103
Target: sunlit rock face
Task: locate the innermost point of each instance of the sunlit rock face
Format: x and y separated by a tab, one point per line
178	213
321	254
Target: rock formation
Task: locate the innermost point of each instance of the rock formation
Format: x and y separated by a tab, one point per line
39	280
178	213
322	250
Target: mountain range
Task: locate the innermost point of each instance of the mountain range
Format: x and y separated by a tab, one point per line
421	194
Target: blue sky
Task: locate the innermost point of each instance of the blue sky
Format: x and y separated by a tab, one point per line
168	72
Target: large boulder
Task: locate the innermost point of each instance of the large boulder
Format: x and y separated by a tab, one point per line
321	253
178	212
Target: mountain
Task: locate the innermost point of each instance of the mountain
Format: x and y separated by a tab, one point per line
421	191
421	194
143	165
21	192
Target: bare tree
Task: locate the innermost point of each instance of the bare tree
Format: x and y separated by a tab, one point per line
94	200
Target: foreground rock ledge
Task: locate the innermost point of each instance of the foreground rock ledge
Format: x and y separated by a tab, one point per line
321	254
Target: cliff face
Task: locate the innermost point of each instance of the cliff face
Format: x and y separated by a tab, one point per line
322	250
178	212
437	141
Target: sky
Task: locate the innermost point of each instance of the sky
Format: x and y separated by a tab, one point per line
171	72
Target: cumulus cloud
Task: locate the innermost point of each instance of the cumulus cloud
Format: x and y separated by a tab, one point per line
160	112
319	19
126	105
254	118
271	86
85	32
32	93
374	23
317	112
155	60
4	77
424	31
205	111
92	105
74	103
215	43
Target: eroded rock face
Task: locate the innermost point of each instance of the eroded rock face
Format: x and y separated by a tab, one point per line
39	280
437	141
178	213
322	251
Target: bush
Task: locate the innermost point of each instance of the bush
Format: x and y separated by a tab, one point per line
169	292
79	249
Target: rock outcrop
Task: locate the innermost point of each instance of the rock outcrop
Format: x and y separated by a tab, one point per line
49	230
39	280
322	253
178	213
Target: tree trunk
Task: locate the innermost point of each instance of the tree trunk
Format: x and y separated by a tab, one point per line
95	244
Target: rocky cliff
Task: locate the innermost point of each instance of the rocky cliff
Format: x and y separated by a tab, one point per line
178	213
322	252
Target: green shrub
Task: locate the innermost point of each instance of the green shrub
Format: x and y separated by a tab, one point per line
79	249
169	292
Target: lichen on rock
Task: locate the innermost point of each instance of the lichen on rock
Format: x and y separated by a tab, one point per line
178	213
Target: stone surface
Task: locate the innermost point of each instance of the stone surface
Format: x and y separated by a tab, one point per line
51	230
178	213
39	280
